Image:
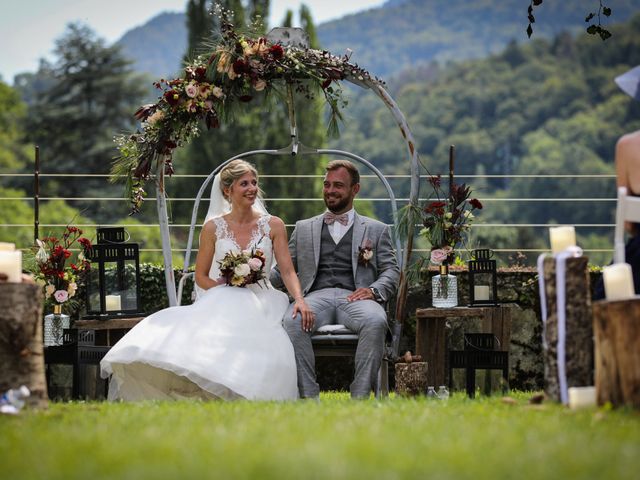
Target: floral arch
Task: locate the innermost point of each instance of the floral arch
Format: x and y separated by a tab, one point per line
237	70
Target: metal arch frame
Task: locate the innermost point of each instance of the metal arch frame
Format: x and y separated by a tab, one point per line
296	148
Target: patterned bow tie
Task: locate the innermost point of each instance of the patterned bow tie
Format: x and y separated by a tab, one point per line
330	218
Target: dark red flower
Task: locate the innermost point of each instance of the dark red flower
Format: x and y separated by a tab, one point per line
435	206
435	181
200	73
277	51
326	83
475	203
172	97
85	242
240	67
245	98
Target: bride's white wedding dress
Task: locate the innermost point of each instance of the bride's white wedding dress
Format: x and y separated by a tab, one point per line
229	344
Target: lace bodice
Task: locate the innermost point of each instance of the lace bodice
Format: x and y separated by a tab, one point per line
226	241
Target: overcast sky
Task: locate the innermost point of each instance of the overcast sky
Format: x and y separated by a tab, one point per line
28	28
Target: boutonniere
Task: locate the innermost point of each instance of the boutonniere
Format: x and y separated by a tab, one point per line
365	252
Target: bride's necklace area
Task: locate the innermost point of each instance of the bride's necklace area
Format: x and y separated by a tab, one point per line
242	233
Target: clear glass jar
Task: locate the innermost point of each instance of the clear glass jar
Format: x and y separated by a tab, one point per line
444	289
443	392
54	325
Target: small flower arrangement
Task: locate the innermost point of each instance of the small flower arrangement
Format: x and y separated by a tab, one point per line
60	280
447	219
365	253
240	269
214	86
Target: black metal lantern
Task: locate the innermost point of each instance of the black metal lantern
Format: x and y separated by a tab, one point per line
483	279
113	284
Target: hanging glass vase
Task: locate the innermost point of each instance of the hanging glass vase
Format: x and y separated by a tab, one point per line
444	288
54	325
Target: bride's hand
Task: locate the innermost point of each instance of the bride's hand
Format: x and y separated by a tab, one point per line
305	312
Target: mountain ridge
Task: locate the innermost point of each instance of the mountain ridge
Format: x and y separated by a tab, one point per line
395	36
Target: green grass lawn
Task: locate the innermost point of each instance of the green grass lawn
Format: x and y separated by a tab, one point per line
484	438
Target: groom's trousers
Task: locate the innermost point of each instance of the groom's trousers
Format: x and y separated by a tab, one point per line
367	318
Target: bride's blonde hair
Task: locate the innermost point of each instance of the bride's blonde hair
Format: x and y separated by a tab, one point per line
233	171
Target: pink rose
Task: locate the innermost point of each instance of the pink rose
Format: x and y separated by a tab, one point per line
440	255
255	264
61	296
191	89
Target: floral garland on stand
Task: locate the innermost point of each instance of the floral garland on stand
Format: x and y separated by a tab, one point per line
236	71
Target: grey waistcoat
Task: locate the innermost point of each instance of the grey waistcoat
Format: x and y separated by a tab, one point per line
335	268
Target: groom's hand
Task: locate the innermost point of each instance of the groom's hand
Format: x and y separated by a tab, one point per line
361	294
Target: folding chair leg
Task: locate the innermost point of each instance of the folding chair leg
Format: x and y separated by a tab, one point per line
471	381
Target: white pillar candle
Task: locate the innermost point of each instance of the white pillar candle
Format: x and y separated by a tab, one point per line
582	397
618	281
481	292
112	302
11	265
5	246
562	238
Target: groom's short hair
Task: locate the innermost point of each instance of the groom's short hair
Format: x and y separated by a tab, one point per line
346	164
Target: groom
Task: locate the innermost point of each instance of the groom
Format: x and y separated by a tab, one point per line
348	271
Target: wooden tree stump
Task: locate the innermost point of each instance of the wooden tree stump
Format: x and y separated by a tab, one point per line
579	329
616	325
411	378
21	350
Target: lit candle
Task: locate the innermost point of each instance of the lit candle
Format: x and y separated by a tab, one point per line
5	246
112	302
582	397
618	281
562	238
481	292
11	265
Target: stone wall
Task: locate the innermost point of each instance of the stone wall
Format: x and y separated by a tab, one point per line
518	289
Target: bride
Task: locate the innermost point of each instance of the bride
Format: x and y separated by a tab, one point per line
230	343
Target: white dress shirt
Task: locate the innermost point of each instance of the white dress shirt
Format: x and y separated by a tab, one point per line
337	230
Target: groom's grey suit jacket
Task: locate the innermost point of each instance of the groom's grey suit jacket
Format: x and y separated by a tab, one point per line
381	271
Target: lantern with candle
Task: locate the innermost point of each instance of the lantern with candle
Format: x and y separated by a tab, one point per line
113	288
483	279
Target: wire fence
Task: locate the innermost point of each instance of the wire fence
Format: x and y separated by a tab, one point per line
479	227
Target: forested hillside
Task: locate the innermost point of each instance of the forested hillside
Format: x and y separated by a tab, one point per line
548	107
402	34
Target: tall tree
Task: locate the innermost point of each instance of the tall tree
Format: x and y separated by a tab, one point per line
13	154
199	27
92	97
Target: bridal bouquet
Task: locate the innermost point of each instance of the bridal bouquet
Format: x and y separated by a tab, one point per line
240	269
